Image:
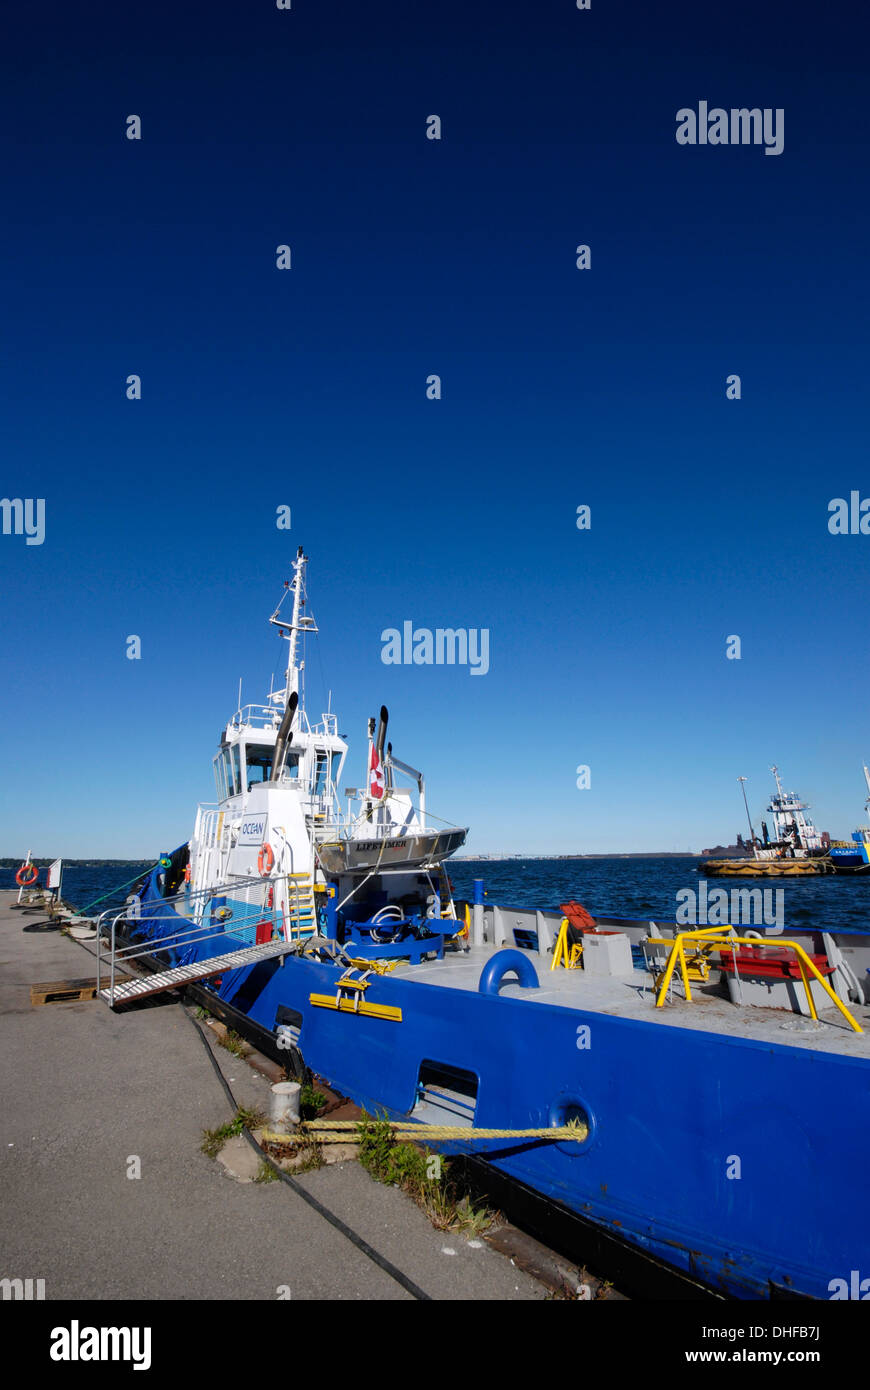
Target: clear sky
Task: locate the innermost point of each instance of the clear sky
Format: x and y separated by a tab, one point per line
560	387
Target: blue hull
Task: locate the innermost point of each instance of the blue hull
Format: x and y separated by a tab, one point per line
724	1157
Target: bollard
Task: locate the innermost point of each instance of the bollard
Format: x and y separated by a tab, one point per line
284	1111
477	913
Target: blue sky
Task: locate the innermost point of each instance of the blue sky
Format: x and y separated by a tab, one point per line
560	387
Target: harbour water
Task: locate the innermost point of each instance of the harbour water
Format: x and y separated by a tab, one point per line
85	880
610	887
647	888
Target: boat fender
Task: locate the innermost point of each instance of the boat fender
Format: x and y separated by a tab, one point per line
504	963
24	878
265	860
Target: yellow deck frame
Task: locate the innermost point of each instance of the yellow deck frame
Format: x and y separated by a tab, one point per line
709	938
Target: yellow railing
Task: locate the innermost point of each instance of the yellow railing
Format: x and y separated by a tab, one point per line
711	937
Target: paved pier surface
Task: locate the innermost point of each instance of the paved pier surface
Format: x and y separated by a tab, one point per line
85	1090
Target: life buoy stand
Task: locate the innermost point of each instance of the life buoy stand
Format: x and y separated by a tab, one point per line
265	860
24	878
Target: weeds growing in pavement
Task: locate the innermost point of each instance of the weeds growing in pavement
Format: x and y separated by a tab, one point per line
234	1044
213	1140
422	1174
311	1102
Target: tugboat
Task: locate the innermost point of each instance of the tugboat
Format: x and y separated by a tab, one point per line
797	848
277	834
628	1072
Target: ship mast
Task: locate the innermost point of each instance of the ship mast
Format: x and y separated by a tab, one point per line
298	623
742	781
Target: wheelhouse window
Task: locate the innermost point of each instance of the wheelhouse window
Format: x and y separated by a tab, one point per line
258	757
234	777
220	777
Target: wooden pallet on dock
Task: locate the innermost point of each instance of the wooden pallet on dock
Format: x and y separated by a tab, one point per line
67	991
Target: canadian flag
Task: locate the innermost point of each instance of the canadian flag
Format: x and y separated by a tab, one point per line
376	781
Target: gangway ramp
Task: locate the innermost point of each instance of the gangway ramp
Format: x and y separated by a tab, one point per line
200	970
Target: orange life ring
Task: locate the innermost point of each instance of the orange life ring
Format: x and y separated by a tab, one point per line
22	878
265	860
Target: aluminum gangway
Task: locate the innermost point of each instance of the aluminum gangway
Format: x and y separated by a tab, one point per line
190	933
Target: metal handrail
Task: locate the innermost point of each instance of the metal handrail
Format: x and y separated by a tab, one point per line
341	827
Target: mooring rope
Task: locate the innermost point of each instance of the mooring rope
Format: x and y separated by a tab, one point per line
341	1131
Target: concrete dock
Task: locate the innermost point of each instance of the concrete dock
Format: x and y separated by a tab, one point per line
87	1092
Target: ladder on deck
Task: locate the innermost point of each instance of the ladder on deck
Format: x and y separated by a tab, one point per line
199	970
301	911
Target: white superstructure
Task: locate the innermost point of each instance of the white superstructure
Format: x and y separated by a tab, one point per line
794	832
277	828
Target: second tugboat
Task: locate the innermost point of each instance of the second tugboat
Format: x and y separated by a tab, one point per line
797	848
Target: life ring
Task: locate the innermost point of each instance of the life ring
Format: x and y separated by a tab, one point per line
265	859
25	880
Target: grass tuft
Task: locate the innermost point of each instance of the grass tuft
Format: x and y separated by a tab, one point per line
213	1140
234	1044
423	1175
312	1103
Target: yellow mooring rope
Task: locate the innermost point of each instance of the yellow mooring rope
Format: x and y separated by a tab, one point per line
342	1132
